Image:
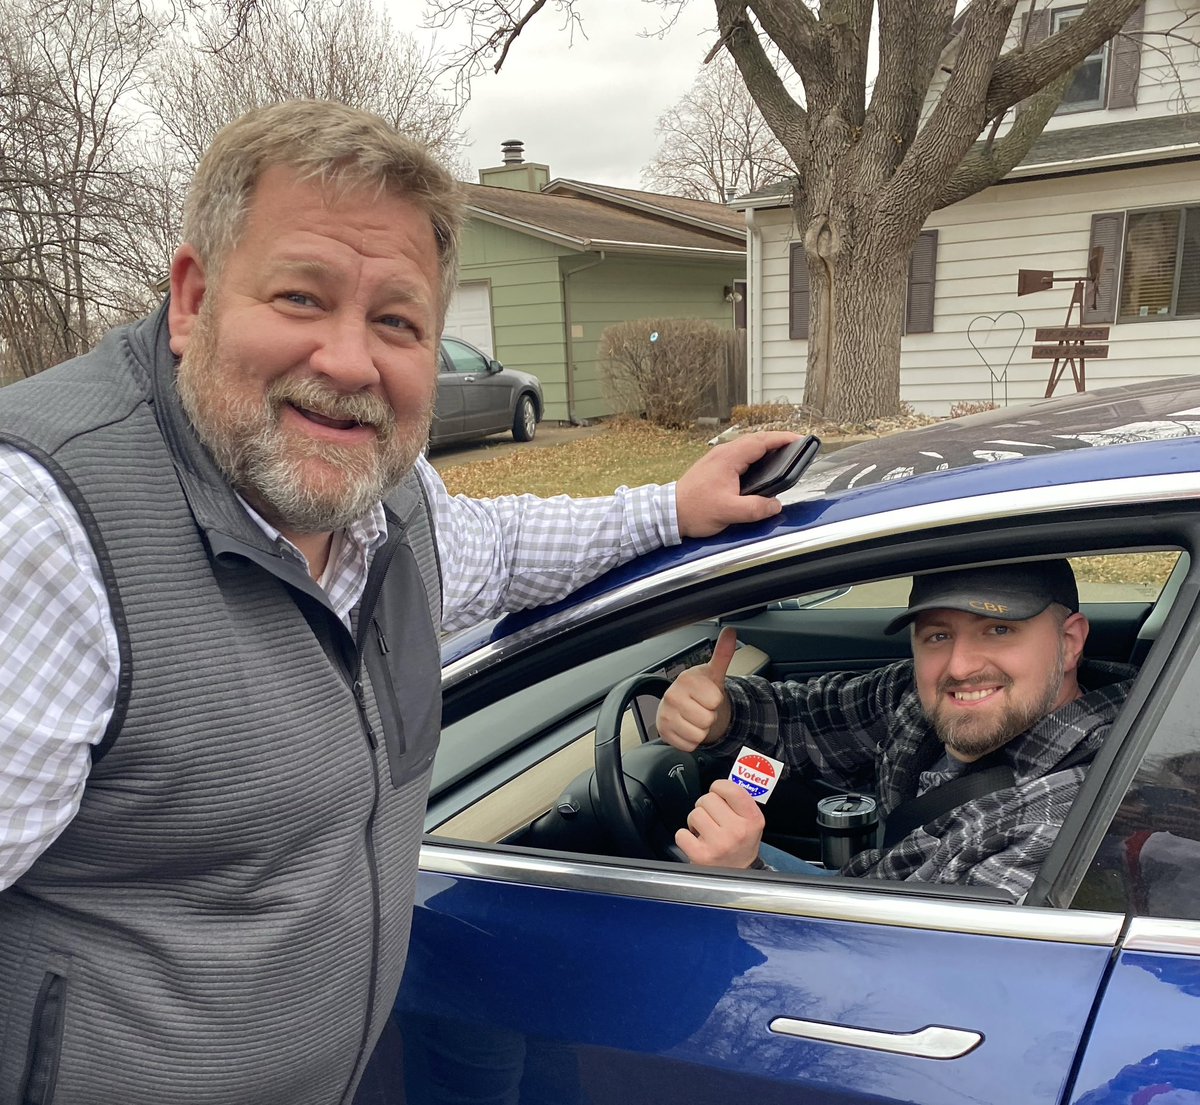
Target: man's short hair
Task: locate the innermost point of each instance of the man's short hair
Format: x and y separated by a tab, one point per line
341	147
1010	592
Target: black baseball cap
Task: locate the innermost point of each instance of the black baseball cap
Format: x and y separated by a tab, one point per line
1012	592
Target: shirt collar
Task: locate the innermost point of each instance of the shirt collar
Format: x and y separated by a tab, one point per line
346	578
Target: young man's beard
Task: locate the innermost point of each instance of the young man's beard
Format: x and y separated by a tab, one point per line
300	485
973	736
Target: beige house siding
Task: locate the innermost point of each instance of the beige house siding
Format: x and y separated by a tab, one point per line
1169	82
982	242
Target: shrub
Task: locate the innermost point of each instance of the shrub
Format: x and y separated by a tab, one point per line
763	414
665	379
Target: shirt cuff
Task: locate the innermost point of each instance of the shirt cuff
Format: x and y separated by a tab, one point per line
651	518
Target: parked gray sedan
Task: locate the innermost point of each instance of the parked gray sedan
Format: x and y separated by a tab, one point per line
478	396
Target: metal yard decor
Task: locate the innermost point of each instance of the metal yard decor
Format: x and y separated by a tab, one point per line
1073	345
987	336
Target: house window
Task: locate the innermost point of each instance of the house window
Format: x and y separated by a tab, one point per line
1088	88
1160	274
1107	77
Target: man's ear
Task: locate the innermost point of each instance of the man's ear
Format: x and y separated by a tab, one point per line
188	285
1075	634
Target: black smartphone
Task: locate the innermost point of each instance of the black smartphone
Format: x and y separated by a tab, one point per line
780	468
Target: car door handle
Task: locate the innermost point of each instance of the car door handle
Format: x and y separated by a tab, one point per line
468	379
931	1042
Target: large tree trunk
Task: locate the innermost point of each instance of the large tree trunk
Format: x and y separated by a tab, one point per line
870	170
856	318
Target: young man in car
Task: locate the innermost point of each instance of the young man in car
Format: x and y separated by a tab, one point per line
995	678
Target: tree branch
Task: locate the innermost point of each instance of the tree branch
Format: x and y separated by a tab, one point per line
916	30
517	29
787	119
795	30
958	118
989	162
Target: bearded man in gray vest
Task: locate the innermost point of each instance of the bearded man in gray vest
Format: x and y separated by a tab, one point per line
223	568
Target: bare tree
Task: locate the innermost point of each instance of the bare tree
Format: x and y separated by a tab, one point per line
871	163
92	182
715	141
67	72
343	50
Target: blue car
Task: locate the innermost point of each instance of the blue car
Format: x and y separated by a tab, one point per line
561	954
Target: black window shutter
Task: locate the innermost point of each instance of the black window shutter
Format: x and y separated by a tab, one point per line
1126	62
1107	230
922	275
798	297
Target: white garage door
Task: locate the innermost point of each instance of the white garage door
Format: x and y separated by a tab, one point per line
470	316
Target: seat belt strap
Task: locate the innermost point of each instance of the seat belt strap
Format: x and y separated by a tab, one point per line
942	799
965	788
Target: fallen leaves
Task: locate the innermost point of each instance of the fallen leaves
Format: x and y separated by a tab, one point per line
626	452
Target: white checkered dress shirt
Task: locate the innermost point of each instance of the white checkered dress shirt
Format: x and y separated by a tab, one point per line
59	664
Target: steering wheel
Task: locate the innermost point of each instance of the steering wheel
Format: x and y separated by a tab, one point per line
645	795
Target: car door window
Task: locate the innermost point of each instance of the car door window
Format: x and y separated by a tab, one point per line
508	759
1148	863
461	359
1113	577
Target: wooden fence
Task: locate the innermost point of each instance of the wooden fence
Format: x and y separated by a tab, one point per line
730	389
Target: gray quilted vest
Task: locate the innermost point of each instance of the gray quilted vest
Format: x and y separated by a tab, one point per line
225	920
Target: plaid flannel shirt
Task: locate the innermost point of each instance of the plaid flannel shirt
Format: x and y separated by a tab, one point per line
868	732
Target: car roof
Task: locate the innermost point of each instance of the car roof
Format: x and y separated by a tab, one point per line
1142	429
1153	411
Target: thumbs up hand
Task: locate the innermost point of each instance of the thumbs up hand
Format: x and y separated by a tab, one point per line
695	709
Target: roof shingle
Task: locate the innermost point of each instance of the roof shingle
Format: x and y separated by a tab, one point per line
591	222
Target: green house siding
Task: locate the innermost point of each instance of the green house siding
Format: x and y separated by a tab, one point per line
627	288
527	311
531	320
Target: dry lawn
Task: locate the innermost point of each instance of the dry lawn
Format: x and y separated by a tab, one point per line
1151	569
632	452
627	452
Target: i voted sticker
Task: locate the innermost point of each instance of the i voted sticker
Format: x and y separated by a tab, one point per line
757	773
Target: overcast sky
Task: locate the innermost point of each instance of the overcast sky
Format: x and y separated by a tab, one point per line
588	109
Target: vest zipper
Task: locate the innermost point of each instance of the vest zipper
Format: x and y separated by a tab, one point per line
376	920
379	569
360	700
366	614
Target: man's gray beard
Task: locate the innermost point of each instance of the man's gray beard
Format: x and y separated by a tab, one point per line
252	452
960	734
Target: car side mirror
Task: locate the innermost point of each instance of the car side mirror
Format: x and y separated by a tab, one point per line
495	366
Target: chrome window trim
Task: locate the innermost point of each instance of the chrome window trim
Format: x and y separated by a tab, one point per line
1162	934
1133	490
766	894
